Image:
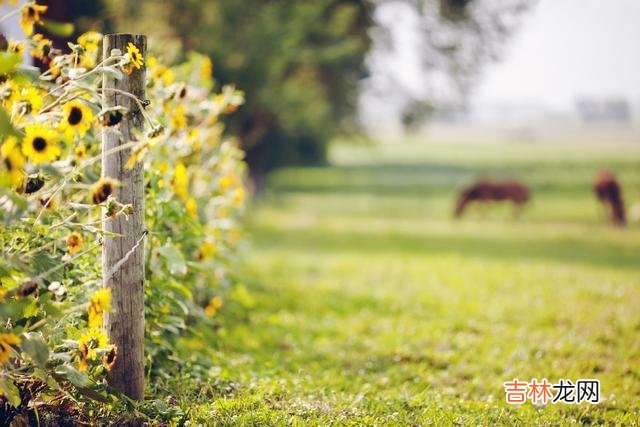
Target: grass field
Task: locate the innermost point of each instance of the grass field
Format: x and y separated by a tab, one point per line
366	304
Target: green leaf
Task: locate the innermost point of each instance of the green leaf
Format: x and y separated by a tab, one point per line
71	374
6	128
9	61
174	259
96	393
36	348
112	71
43	261
10	391
27	73
60	29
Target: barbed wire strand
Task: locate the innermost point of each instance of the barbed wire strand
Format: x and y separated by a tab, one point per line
113	270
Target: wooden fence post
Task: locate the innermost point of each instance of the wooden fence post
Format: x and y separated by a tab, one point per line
125	322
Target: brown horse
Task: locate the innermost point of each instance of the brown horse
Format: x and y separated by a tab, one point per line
490	191
609	193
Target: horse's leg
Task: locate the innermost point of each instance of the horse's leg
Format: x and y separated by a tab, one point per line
517	210
485	206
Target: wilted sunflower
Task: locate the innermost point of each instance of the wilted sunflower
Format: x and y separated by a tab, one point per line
74	243
83	350
77	118
6	341
111	118
48	203
30	16
104	188
135	58
109	358
26	289
41	143
13	161
99	303
34	183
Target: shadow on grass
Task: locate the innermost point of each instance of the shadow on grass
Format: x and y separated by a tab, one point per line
417	178
513	248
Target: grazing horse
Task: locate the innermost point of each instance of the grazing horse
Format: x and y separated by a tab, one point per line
489	191
609	193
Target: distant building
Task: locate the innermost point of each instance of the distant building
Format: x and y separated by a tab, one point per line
615	110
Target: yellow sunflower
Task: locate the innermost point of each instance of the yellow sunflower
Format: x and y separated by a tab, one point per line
206	250
80	152
88	342
74	243
104	188
16	46
27	101
225	182
180	182
99	303
90	41
238	196
192	207
42	47
160	71
178	118
135	58
8	93
30	16
13	161
94	338
214	305
41	143
6	341
78	118
206	68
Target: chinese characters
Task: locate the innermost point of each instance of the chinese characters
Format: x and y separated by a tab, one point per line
540	393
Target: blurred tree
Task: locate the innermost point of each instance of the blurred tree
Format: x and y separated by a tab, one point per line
299	61
302	62
85	16
454	39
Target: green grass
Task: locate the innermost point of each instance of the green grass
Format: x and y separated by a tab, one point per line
364	303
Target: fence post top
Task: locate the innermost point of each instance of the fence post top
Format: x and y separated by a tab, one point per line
132	35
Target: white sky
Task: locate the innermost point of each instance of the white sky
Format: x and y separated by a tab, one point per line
568	48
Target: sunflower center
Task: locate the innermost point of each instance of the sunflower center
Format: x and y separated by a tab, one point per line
106	189
31	11
75	116
39	143
8	164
